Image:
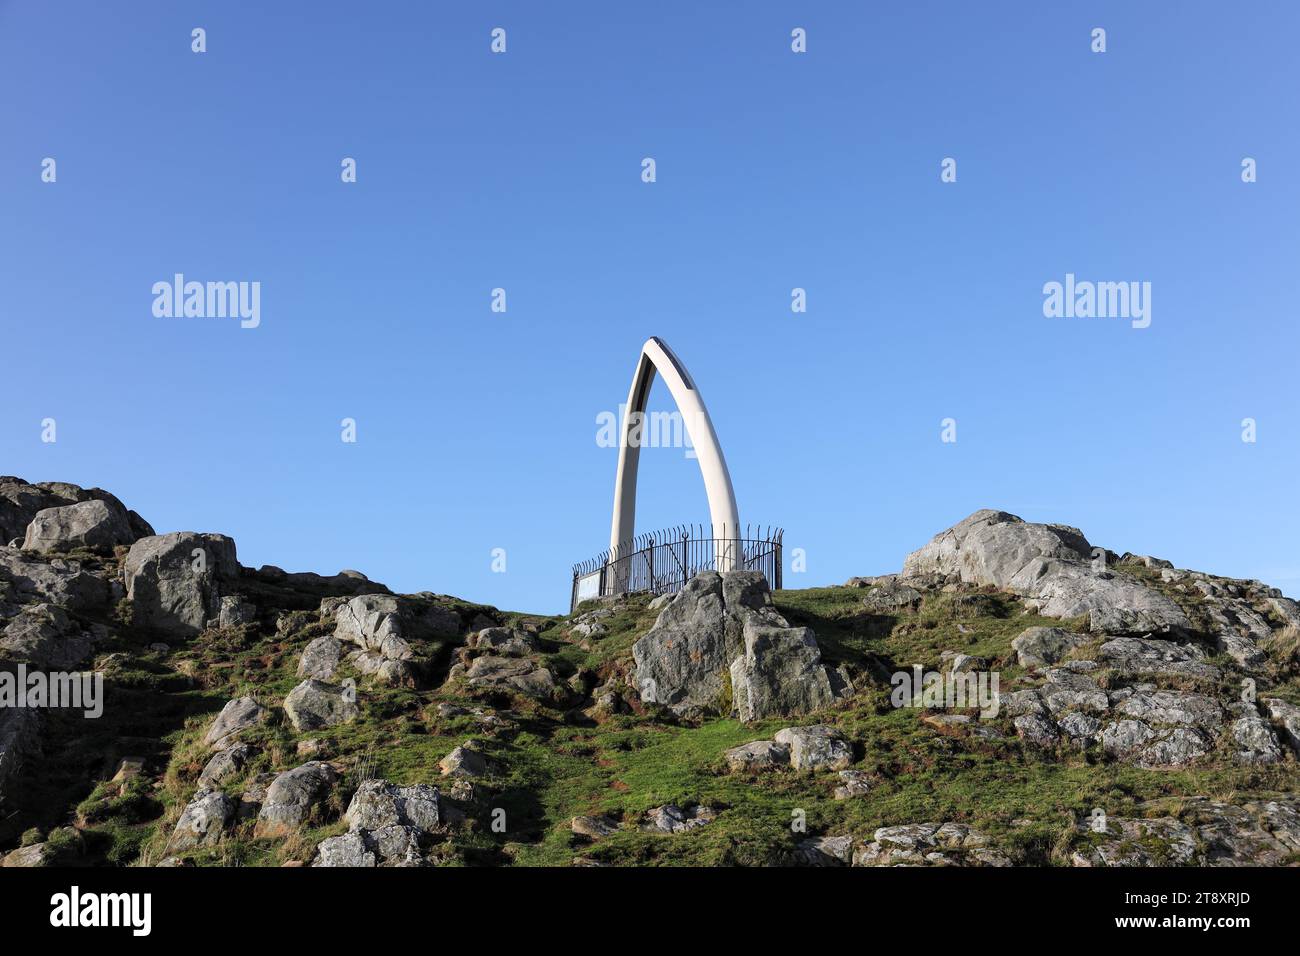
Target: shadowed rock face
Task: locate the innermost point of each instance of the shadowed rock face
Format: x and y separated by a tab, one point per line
1050	565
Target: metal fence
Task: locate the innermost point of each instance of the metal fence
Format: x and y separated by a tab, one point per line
661	562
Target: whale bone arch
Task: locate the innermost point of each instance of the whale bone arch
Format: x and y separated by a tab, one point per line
656	356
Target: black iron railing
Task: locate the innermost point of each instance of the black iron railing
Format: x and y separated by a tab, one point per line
661	562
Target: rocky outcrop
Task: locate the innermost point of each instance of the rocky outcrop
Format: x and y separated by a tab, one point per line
389	633
21	502
929	844
175	580
670	818
1052	566
757	755
722	629
388	825
1139	723
1206	833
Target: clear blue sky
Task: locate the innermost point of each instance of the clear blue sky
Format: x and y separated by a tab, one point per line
477	430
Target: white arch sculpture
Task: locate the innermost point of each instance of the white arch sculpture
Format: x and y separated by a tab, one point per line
657	356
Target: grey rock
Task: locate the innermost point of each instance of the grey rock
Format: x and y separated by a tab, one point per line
203	821
779	674
293	795
1037	730
238	716
1142	655
1243	650
1041	646
824	851
1080	728
1067	690
225	765
314	704
816	747
1021	702
671	818
20	502
235	612
466	761
349	850
174	581
1210	833
45	636
683	660
1049	564
1173	708
1287	716
504	641
93	525
511	673
320	658
856	783
929	844
759	754
378	804
55	581
890	596
593	828
1253	738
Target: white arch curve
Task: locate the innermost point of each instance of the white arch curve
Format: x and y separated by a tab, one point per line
657	356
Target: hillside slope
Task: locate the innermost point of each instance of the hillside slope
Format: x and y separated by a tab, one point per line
1145	714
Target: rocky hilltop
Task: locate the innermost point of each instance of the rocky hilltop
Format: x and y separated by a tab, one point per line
1143	714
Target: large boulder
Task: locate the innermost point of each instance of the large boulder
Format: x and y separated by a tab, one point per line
293	795
686	659
175	580
780	674
1206	833
1052	566
91	525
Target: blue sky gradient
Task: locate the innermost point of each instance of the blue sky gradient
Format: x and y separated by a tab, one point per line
476	430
